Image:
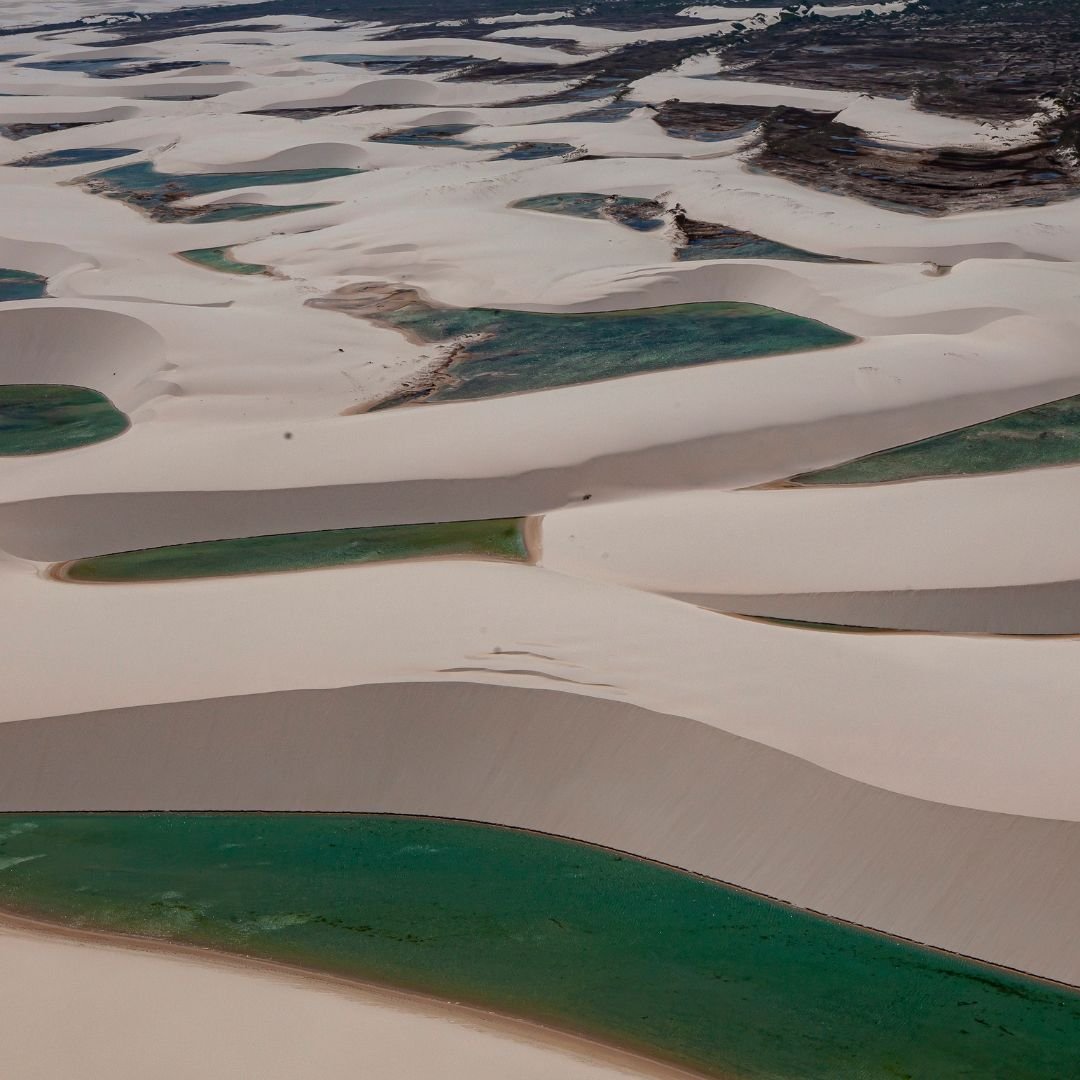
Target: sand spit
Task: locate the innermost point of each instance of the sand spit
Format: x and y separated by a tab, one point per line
131	1007
608	772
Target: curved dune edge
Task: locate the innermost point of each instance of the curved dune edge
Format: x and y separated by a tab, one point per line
991	886
1048	609
139	1001
117	355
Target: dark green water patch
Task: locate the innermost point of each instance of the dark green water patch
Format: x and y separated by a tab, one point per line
581	204
706	240
157	193
21	285
1044	435
402	64
428	135
39	418
498	538
82	156
642	215
576	936
707	122
509	352
27	130
90	65
220	258
447	135
619	108
115	67
528	151
240	211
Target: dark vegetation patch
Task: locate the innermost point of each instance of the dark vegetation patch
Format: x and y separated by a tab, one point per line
707	122
814	149
989	59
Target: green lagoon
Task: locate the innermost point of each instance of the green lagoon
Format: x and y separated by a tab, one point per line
220	258
708	241
583	938
508	352
642	215
1044	435
21	285
447	135
497	538
81	156
39	418
157	193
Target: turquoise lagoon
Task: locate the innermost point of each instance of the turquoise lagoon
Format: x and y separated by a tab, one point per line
643	215
86	155
511	352
220	258
583	938
22	285
39	418
155	192
1044	435
497	538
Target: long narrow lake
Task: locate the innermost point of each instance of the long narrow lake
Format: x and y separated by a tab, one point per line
495	538
590	940
1044	435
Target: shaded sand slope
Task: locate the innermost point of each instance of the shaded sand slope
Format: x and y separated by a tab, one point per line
1049	608
461	620
115	354
995	886
129	1014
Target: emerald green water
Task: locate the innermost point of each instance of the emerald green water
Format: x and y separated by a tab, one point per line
157	193
1044	435
21	285
447	135
723	242
38	418
585	938
499	538
220	258
517	351
243	212
642	215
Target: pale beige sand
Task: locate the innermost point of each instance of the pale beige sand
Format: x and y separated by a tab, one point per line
459	620
128	1010
983	532
865	749
658	786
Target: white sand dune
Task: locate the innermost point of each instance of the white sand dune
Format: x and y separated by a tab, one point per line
658	786
115	354
130	1012
920	784
452	618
